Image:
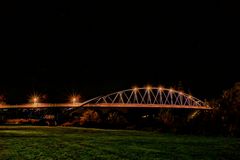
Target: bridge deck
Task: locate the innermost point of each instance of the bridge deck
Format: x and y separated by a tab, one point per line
102	105
131	105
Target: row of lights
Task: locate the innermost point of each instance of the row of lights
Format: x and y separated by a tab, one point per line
150	87
73	99
135	89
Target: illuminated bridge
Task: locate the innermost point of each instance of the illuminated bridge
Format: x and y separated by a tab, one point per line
147	97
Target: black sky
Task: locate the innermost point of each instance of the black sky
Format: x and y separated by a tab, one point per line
96	48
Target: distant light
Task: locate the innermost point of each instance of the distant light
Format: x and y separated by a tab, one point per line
35	99
135	89
171	90
148	88
160	88
74	98
181	93
190	97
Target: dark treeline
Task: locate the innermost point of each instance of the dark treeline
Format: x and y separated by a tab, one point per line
224	119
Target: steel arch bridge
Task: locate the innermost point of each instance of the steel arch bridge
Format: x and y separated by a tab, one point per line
146	97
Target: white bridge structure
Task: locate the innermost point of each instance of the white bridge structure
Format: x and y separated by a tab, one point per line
146	97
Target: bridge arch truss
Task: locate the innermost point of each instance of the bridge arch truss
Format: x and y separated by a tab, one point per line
155	97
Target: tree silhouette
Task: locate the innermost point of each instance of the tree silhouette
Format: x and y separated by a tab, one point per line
230	109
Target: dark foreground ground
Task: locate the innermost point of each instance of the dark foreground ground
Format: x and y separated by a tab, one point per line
62	143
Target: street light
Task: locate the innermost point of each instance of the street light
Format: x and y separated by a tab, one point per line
149	87
74	99
135	89
35	99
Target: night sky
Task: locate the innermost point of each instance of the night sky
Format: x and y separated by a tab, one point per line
94	48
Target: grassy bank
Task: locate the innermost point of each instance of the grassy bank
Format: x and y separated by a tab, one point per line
51	143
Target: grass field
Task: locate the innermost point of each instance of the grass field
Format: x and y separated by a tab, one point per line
63	143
